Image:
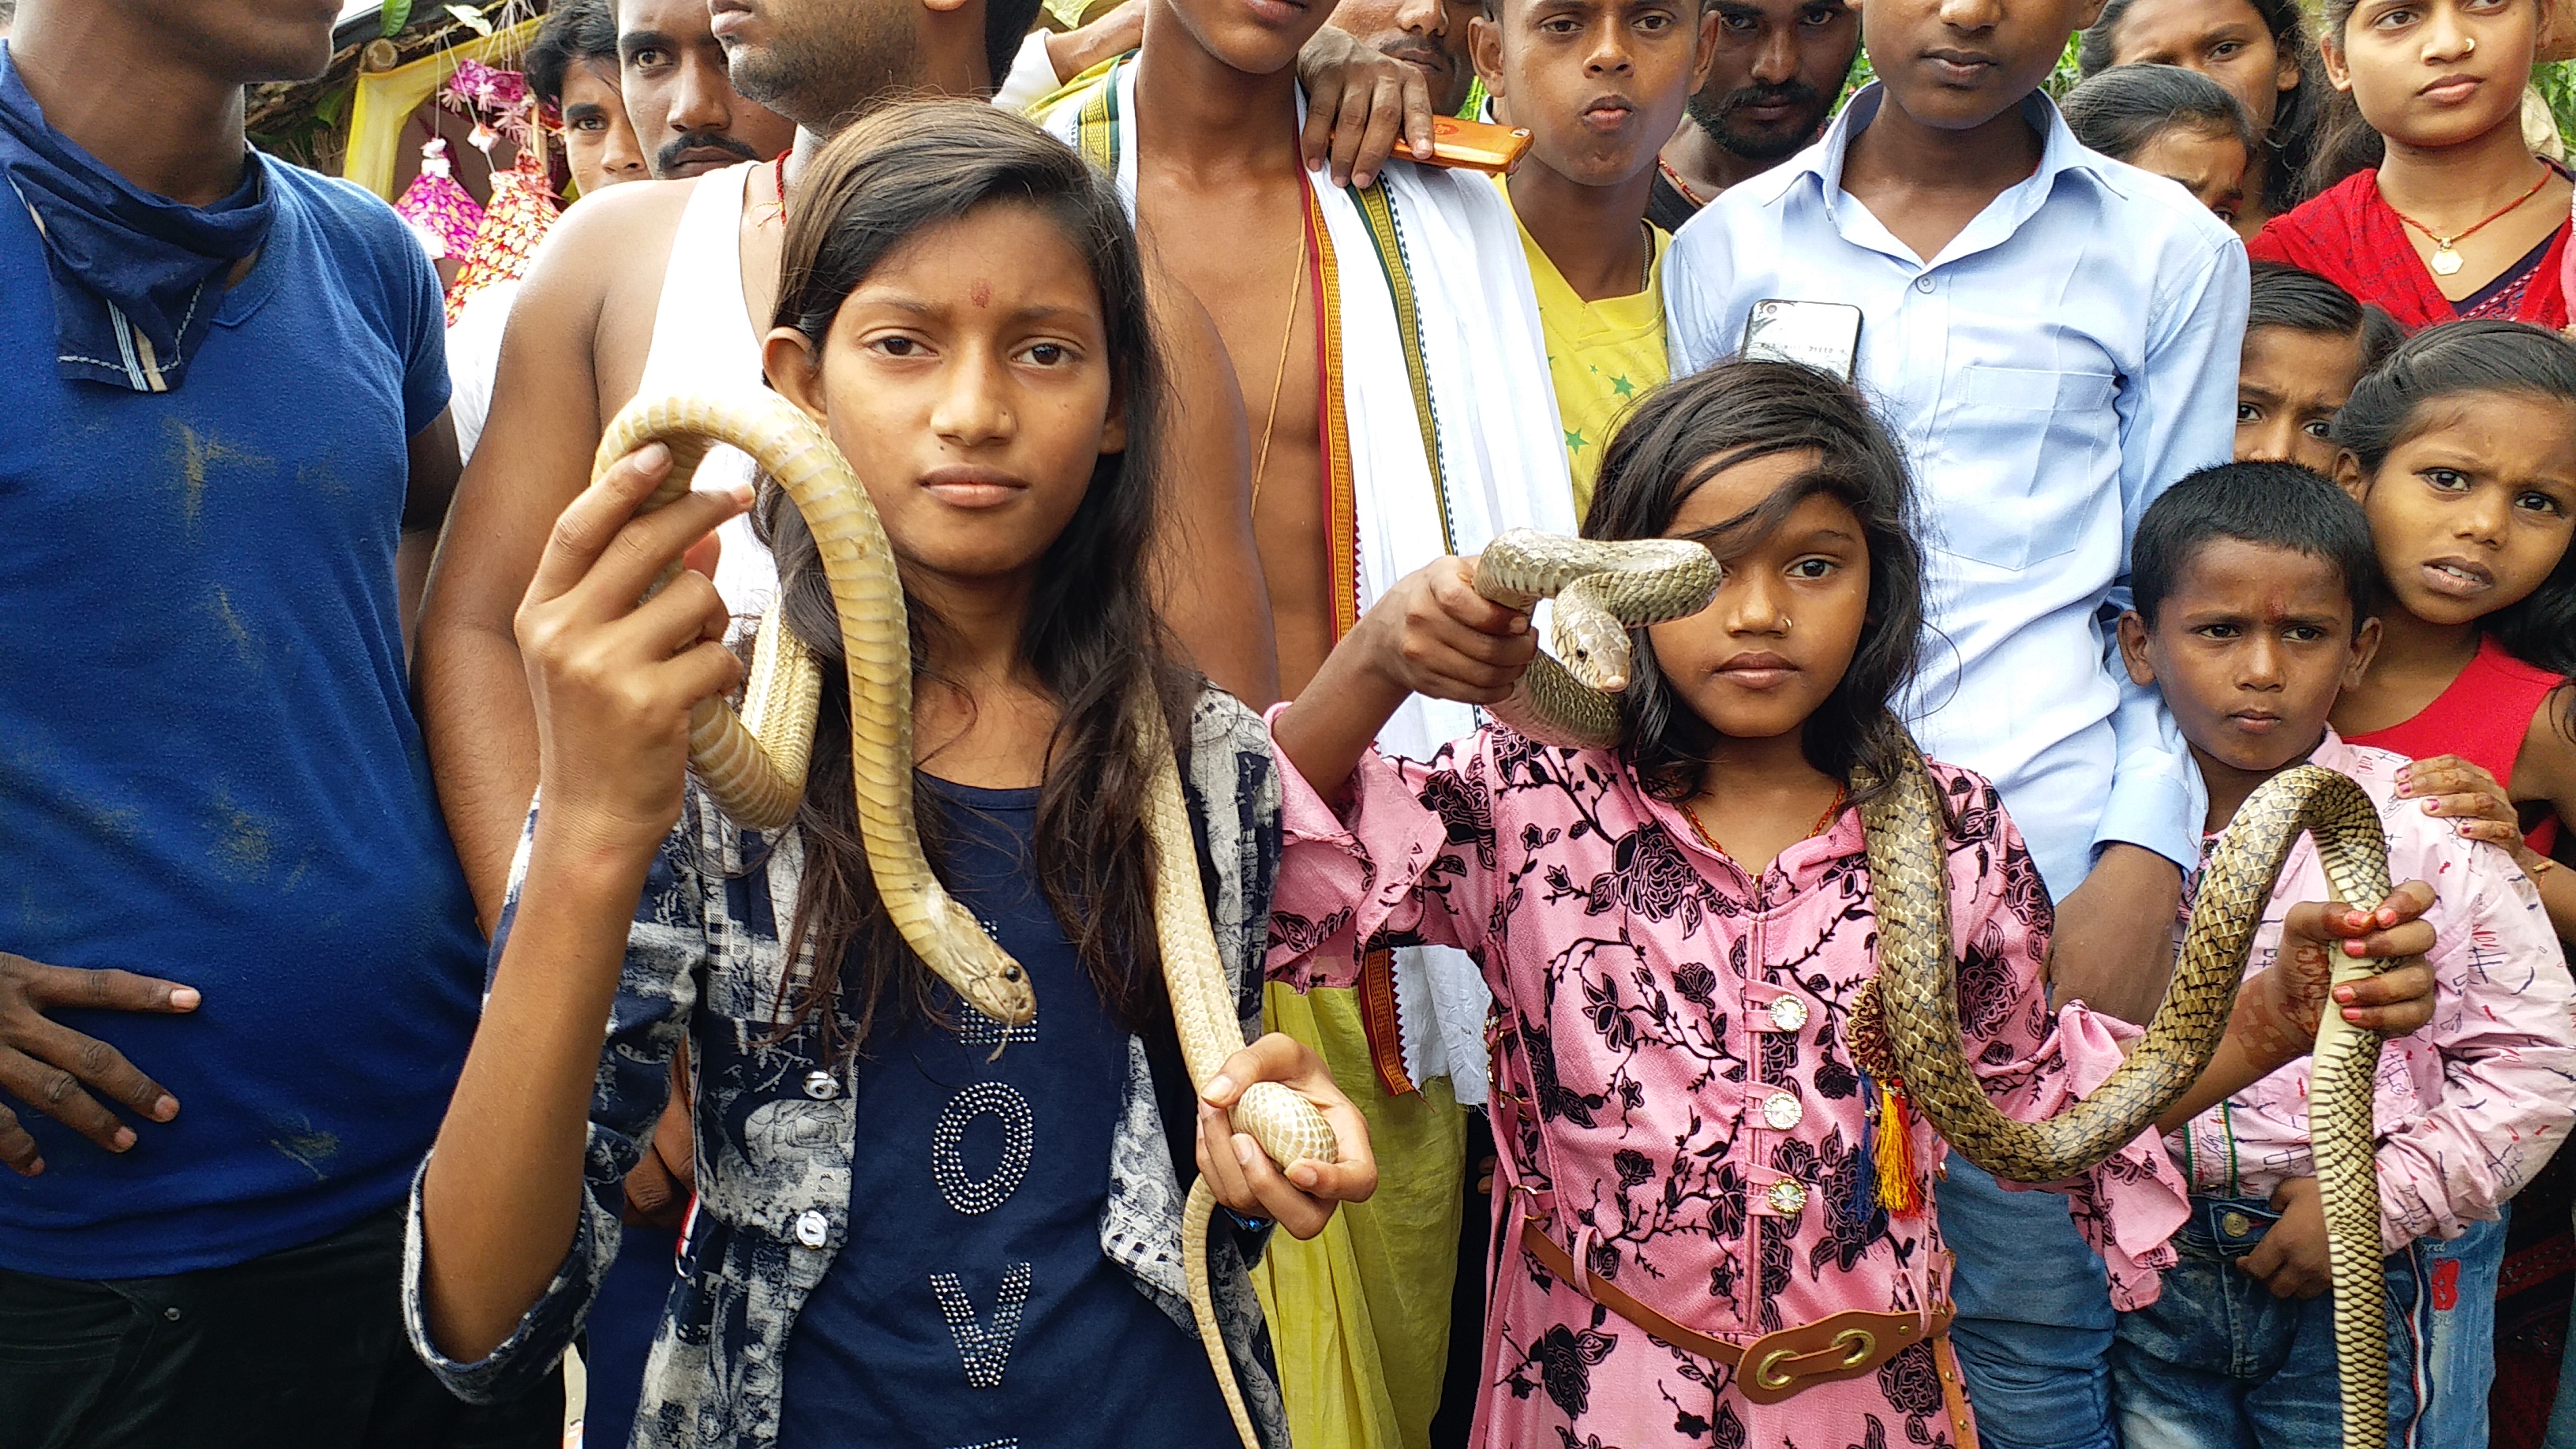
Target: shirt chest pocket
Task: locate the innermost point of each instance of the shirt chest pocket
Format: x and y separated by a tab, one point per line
2018	454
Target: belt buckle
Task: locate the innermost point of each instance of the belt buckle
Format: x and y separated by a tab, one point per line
1772	1378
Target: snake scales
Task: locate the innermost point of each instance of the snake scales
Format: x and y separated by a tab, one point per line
1608	587
754	769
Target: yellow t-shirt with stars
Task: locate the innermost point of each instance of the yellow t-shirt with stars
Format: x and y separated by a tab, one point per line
1600	355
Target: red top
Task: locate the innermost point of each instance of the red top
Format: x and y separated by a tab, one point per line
2482	718
2351	236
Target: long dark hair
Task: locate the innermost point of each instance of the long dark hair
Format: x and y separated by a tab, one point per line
2123	110
1737	411
2289	144
2484	355
1092	637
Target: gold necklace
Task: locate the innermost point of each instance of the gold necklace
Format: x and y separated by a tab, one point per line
1823	823
1287	334
2446	257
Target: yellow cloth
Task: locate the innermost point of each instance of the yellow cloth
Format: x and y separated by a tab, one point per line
1601	355
1359	1316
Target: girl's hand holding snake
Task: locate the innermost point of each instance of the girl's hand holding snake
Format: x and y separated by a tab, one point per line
1433	634
1302	1197
2278	1010
2274	1021
613	680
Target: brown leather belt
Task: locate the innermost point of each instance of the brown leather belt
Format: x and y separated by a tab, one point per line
1777	1365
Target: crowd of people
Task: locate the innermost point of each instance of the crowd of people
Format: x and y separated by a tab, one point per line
2119	452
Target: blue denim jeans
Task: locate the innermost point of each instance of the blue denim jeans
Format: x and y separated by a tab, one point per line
2034	1327
2217	1361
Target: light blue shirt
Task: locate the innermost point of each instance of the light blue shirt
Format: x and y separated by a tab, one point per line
2066	357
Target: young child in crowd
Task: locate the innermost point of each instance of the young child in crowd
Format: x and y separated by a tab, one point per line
2256	600
2054	338
2306	343
2458	218
2176	123
1600	85
866	1277
2462	450
2257	49
1677	931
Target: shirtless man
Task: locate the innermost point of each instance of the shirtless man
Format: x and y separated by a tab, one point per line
681	98
1409	418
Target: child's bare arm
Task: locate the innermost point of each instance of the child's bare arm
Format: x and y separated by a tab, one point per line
1431	634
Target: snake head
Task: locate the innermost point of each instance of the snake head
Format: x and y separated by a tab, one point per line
1592	645
975	966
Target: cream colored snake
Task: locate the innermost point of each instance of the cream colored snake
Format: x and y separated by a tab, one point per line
1613	586
755	773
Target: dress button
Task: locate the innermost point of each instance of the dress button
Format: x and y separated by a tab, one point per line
1923	283
1788	1013
2235	1224
812	1228
821	1086
1788	1197
1782	1111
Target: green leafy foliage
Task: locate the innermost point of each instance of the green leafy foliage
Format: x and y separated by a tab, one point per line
2557	85
393	17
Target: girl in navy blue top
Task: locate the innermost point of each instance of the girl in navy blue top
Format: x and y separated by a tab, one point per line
902	1237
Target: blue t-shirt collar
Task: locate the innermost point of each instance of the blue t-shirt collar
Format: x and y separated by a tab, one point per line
136	277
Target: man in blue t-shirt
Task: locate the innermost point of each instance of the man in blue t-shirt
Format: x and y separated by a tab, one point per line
237	954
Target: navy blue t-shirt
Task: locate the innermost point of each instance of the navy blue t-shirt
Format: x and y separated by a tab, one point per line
209	769
971	1304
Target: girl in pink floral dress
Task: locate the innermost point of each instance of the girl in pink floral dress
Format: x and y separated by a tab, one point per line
1715	1228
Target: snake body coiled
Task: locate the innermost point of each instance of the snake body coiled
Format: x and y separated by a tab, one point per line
1917	981
753	767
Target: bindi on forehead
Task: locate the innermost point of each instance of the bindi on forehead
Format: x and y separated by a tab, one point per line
980	292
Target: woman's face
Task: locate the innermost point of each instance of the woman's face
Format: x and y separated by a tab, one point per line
2224	40
2435	73
2209	164
1772	646
967	380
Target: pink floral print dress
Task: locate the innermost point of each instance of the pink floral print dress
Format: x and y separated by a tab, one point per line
1673	1099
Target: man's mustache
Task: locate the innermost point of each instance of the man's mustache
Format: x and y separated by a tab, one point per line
702	141
1790	93
1416	51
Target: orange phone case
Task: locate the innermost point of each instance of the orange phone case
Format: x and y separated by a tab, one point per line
1473	145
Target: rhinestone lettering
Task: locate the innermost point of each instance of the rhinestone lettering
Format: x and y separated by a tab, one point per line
984	1351
966	1193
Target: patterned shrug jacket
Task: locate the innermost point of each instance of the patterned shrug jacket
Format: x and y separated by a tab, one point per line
705	959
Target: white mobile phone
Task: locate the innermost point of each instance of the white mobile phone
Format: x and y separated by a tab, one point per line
1823	335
